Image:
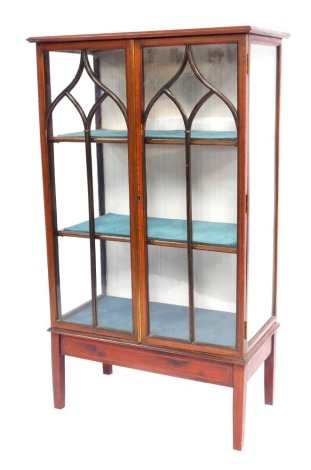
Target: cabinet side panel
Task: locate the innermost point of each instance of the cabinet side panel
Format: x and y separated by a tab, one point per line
262	186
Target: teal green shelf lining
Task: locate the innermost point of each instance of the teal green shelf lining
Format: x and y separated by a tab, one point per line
166	320
156	134
210	233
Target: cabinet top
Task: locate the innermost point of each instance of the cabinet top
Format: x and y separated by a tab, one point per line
161	34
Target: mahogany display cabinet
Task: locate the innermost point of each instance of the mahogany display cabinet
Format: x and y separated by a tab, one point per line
160	174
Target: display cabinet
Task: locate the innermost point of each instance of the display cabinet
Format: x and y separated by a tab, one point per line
160	173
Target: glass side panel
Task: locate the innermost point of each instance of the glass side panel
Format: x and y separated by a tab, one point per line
168	292
261	186
214	297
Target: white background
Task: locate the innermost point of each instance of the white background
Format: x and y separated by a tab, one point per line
133	419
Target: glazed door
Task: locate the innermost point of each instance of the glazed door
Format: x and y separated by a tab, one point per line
88	167
190	163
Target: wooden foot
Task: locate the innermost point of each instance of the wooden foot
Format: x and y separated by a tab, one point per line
107	369
58	372
239	402
269	374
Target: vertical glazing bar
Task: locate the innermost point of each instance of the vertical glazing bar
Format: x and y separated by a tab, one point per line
101	203
88	155
189	236
100	179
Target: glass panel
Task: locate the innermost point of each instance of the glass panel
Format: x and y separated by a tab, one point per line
110	188
116	179
73	78
166	61
168	292
112	75
215	116
218	64
75	280
184	76
166	190
114	300
157	122
64	67
114	304
214	297
214	182
78	80
71	184
261	186
214	194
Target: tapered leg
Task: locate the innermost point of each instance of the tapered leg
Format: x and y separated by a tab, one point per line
107	369
239	403
269	374
58	372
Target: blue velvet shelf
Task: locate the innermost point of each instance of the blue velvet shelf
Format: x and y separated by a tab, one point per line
210	233
166	320
156	134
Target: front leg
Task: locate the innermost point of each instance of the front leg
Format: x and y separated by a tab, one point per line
58	372
107	369
269	374
239	405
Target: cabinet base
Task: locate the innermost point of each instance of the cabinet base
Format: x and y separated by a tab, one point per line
227	371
